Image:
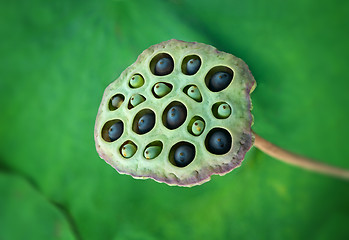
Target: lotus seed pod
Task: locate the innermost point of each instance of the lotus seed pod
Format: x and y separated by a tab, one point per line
128	150
194	93
221	146
116	101
224	110
136	81
152	152
136	99
197	127
161	89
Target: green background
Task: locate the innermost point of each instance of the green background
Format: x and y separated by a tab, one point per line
57	57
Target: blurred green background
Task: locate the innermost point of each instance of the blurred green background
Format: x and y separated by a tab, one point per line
57	57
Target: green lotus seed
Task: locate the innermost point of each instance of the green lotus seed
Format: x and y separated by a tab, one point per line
194	93
128	150
136	99
161	89
198	127
152	152
224	110
136	81
116	101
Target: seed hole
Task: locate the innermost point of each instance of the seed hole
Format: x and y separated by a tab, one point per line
144	121
112	130
193	92
182	154
153	149
196	126
218	141
128	149
162	64
174	115
161	89
221	110
219	78
136	81
116	101
191	64
135	100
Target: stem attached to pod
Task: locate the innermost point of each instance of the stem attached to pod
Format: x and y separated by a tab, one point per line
298	160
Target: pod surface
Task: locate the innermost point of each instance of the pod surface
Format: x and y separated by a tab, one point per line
162	168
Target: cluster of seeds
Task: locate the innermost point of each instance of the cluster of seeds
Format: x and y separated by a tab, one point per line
155	104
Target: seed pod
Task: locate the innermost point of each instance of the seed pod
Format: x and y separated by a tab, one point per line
189	153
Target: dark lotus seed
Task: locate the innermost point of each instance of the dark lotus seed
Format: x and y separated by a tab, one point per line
175	116
219	81
193	66
146	123
115	131
219	142
164	66
184	155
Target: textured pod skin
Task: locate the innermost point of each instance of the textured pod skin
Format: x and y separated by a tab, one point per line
205	164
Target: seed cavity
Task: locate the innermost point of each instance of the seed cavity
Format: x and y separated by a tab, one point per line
221	110
136	81
174	115
162	64
161	89
128	149
135	100
182	154
153	150
219	78
196	126
144	121
116	101
191	64
218	141
193	92
112	130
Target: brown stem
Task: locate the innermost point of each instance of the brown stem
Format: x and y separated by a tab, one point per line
298	160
